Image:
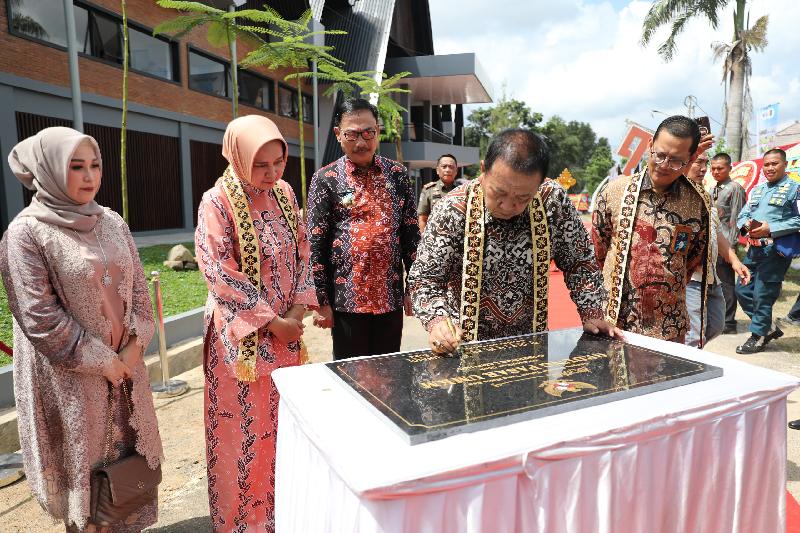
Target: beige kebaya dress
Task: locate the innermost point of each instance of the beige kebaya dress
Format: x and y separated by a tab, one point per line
67	326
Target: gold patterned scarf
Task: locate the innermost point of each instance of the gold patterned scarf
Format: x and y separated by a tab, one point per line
621	245
251	258
474	239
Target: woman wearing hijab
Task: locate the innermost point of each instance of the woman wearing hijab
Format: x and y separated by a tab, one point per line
253	250
82	317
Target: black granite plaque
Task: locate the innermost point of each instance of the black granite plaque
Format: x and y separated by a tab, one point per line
491	383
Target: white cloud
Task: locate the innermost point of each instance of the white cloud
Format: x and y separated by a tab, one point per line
582	60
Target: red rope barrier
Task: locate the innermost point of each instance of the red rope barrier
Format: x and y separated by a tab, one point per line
6	349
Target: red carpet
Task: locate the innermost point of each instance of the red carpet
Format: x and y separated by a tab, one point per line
562	314
792	514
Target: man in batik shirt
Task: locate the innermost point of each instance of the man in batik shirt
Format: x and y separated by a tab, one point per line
514	225
646	270
362	222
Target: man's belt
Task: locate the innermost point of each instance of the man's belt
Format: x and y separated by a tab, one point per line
766	241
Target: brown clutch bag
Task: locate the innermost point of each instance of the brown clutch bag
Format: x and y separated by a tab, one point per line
121	487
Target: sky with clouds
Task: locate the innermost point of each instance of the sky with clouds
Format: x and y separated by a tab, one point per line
581	59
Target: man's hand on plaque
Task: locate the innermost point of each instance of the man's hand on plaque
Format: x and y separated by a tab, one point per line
445	337
598	326
324	317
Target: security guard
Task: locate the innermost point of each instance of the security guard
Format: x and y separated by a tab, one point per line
771	212
446	168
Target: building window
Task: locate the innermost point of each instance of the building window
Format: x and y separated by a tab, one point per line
98	33
256	90
207	75
151	55
287	98
40	20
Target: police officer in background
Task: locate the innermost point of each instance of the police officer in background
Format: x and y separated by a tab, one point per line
771	212
446	168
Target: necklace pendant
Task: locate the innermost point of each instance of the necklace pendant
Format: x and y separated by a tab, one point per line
106	279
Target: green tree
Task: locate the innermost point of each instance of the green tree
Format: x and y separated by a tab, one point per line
736	66
483	123
289	46
598	166
221	30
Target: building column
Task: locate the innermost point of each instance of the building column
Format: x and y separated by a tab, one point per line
458	135
186	176
405	101
12	200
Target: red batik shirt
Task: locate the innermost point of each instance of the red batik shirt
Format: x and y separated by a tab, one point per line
363	231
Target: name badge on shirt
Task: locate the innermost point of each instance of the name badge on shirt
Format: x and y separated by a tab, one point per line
681	239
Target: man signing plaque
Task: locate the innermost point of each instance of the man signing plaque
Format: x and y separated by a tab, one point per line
483	265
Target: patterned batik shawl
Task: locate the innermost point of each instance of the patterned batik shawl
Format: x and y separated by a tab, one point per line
474	237
621	245
251	259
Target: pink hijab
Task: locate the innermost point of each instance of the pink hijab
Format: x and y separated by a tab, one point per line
244	137
41	163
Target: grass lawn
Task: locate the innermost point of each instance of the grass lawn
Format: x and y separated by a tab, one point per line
181	291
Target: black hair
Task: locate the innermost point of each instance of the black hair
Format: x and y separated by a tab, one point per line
522	150
451	156
681	127
352	105
724	156
776	151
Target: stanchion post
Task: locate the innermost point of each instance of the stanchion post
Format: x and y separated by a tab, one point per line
168	387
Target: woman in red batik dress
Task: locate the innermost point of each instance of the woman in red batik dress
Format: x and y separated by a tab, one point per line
253	250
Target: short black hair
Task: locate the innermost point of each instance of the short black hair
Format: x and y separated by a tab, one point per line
681	127
776	151
451	156
722	155
352	105
523	150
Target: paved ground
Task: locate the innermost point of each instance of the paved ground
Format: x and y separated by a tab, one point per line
183	497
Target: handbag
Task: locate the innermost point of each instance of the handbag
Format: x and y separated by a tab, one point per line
788	245
121	487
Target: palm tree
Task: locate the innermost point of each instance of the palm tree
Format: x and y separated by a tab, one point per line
736	54
222	30
289	46
365	83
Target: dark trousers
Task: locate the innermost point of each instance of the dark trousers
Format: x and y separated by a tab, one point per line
757	297
727	279
360	334
794	312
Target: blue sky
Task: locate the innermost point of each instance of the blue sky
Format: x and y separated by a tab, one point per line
581	59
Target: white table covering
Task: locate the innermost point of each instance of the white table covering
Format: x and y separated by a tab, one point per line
702	458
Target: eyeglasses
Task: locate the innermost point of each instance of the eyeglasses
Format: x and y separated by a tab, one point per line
659	158
352	135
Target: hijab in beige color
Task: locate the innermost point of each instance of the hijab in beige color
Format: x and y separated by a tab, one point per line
41	163
244	136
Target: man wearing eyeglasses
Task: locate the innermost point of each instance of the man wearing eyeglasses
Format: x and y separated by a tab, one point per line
446	169
362	223
651	231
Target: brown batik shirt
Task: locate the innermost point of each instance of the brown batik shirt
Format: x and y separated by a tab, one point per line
668	243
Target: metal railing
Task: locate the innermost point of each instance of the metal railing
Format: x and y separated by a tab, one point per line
421	132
